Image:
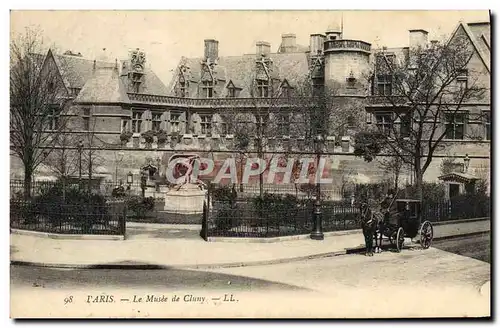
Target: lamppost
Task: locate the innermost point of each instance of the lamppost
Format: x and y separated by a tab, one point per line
317	233
118	159
466	163
130	180
80	148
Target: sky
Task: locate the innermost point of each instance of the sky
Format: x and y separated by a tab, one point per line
166	36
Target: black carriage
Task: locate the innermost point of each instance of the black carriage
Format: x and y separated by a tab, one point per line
407	222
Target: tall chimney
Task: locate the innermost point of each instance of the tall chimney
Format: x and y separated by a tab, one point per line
418	38
211	50
263	48
288	43
316	44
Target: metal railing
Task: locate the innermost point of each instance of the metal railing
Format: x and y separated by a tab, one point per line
219	102
345	44
108	219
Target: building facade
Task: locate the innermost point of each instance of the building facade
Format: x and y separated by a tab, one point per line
123	111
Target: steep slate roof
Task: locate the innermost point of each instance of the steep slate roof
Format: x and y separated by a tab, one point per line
104	86
78	72
241	69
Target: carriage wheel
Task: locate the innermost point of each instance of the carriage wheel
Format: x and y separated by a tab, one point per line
426	235
400	239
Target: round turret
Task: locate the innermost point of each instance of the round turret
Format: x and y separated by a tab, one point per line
346	65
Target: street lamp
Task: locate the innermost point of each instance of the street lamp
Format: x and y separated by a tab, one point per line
317	233
130	180
466	163
80	148
118	159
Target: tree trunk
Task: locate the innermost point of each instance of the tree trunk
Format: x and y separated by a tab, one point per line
28	176
90	173
419	179
241	172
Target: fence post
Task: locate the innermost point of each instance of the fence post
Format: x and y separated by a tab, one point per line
203	232
122	219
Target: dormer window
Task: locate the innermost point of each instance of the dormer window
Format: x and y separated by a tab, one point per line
263	88
232	91
183	89
208	89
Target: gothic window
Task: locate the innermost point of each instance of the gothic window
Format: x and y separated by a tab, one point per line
462	79
384	85
231	92
405	126
136	121
261	123
156	121
183	89
283	124
286	90
487	124
383	122
455	125
208	89
53	118
206	124
224	128
125	127
351	121
175	121
86	119
263	88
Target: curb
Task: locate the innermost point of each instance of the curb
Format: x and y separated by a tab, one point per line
52	235
470	234
133	266
439	223
278	239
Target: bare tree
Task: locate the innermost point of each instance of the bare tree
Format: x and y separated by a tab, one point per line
426	90
37	103
63	159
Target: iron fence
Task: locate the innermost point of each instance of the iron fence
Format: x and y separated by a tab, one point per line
243	218
101	188
456	209
107	219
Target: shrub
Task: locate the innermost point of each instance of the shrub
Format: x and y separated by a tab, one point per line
125	136
140	206
162	136
276	208
118	192
75	206
175	137
224	194
432	192
148	136
226	216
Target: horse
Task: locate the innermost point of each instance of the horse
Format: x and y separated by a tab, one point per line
369	225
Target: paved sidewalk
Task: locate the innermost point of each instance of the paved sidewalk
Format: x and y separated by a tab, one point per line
164	246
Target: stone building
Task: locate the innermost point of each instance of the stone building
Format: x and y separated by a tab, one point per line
120	102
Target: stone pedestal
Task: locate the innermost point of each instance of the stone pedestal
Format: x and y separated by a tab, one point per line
188	199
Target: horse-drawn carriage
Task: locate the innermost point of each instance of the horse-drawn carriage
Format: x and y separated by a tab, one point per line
405	221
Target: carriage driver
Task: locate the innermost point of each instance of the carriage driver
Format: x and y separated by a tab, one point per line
388	209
